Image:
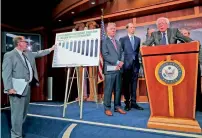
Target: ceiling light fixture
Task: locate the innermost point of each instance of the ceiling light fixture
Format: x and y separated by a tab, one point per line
72	12
59	20
93	2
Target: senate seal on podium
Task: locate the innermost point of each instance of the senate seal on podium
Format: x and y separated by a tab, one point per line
169	72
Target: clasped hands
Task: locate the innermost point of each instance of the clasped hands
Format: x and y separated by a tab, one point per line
119	66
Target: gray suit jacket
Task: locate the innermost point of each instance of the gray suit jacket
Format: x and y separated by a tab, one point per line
173	35
14	67
111	55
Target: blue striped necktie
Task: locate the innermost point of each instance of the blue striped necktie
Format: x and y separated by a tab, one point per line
163	41
132	41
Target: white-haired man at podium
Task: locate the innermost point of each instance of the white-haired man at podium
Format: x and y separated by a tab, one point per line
165	35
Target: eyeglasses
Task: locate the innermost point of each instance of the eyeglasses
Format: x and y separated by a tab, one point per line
23	41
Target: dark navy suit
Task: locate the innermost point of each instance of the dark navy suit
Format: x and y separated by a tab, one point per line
131	68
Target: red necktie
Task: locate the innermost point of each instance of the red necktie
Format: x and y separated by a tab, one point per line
114	42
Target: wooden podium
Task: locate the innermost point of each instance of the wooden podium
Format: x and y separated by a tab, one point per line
171	76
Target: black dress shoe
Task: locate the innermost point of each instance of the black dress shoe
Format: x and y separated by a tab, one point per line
137	107
127	108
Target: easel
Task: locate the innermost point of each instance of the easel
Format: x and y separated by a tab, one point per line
80	87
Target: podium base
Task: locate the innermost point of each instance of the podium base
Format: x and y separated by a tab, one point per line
176	124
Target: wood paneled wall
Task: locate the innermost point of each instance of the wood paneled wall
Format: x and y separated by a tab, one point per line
64	5
200	9
172	15
123	9
125	5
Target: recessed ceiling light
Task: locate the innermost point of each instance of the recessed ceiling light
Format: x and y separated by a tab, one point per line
72	12
93	2
59	20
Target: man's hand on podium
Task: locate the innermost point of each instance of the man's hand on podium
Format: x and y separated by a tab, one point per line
143	46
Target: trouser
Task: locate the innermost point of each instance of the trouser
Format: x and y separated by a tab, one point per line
112	82
19	107
130	79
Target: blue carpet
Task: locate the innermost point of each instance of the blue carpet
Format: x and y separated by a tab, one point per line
91	112
34	127
91	131
49	128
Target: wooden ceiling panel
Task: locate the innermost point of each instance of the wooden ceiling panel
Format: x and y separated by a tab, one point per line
126	14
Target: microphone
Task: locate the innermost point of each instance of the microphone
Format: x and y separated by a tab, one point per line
180	39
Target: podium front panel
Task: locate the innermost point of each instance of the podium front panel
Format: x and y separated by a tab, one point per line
184	94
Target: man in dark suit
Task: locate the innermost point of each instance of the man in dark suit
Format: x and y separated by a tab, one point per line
131	45
113	61
20	64
186	33
165	35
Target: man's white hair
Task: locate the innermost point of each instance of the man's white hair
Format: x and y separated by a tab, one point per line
111	24
163	18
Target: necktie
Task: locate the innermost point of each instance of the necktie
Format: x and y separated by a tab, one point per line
163	41
114	42
25	60
132	41
29	67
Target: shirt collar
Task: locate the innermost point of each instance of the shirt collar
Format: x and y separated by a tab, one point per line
164	32
129	35
20	52
111	37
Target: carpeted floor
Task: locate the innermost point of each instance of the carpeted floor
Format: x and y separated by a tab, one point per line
41	127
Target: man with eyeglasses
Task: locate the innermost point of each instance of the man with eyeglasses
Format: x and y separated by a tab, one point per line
165	35
20	64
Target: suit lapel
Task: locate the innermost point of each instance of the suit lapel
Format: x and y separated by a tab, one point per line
169	35
128	39
110	41
118	47
136	43
19	57
26	54
159	37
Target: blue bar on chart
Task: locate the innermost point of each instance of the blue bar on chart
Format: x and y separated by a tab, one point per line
71	45
63	44
59	44
83	47
96	48
87	47
75	45
79	47
67	44
91	48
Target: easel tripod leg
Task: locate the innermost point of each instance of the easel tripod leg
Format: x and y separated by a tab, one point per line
67	83
81	107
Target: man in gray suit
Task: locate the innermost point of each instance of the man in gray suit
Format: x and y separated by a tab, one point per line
113	62
165	35
20	64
